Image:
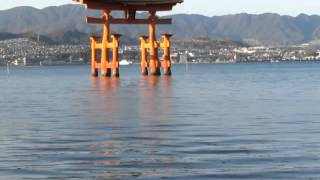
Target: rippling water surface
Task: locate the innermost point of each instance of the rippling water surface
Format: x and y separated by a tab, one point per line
238	121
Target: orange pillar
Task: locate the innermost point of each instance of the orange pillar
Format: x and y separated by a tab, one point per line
94	69
105	71
153	45
144	63
166	63
115	49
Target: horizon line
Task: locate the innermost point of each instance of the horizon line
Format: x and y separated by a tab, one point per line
168	14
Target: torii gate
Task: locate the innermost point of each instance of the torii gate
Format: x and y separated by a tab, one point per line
130	7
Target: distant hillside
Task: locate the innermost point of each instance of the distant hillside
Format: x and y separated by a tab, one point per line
5	36
258	29
69	37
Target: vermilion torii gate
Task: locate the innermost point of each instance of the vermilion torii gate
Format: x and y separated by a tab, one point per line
130	7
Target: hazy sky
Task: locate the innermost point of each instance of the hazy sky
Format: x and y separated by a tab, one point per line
208	7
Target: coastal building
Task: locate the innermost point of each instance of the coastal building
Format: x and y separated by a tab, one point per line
183	58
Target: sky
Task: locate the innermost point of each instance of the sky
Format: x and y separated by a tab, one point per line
208	7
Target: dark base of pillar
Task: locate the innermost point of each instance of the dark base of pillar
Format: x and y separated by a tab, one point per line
95	73
106	73
156	72
167	72
103	74
144	72
115	73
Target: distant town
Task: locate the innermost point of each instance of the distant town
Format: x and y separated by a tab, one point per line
32	52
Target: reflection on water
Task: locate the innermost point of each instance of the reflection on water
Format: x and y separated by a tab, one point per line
105	84
242	121
154	104
142	147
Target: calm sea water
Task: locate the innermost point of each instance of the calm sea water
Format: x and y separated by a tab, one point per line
234	121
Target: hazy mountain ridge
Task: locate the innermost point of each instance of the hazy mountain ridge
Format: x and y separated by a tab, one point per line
264	28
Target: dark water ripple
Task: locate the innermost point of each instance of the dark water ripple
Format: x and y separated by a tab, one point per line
242	121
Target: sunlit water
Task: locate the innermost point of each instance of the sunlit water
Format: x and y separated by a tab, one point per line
236	121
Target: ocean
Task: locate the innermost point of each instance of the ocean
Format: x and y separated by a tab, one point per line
210	121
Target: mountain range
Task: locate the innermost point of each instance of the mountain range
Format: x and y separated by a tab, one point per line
266	29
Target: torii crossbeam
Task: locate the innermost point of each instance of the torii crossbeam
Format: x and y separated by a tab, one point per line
130	7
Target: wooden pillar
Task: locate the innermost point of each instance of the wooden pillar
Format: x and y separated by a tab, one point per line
153	45
115	60
105	71
166	63
143	49
94	69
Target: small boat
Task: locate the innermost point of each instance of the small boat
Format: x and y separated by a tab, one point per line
274	61
124	62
